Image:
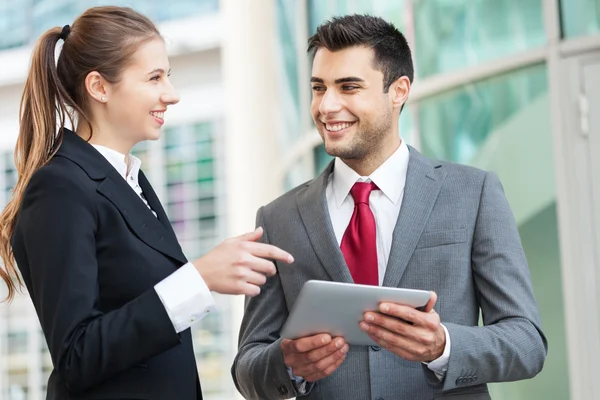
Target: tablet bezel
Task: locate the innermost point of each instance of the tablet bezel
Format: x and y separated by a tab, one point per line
337	308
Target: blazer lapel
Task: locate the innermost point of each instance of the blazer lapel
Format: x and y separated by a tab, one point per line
139	217
423	183
156	234
312	205
154	202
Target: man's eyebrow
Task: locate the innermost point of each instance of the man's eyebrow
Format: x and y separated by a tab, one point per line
348	79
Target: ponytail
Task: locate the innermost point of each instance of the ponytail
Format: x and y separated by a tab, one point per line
43	100
102	39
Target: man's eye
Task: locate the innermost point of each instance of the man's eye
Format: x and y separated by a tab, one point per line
349	87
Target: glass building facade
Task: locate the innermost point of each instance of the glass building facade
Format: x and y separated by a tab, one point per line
23	21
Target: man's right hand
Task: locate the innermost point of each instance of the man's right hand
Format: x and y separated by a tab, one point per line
240	265
314	357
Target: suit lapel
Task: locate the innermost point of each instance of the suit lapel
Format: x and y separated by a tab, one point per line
156	234
312	205
154	202
423	183
139	217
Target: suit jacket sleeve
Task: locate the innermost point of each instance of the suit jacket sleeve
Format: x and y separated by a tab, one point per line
511	345
258	369
87	346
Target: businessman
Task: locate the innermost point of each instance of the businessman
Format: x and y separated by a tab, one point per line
383	214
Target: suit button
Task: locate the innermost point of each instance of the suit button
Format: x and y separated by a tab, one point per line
375	348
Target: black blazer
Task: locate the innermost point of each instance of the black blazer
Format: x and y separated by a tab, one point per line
90	252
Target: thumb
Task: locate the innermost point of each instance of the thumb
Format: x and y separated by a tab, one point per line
431	302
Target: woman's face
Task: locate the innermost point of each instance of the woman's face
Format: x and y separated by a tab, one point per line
136	105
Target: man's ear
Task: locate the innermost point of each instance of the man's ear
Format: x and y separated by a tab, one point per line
399	90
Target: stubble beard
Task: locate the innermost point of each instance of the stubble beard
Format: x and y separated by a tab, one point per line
366	142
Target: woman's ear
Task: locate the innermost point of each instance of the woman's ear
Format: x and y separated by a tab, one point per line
97	86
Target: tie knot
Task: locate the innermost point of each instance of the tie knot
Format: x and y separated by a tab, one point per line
361	191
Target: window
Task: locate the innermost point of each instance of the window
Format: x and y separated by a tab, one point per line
501	124
452	34
580	17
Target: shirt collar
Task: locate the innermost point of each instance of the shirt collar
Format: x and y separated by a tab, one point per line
126	165
390	177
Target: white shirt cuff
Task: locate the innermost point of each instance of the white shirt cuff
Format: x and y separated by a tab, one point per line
439	366
299	382
185	297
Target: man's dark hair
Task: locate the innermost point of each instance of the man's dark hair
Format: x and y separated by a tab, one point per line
392	54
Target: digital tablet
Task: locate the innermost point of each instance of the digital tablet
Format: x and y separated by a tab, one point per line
337	308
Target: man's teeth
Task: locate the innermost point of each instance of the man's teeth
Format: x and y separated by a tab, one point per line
338	127
160	115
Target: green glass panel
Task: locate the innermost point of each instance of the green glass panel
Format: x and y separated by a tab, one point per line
203	132
321	158
23	21
580	17
456	124
191	203
319	11
501	124
452	34
289	89
14	23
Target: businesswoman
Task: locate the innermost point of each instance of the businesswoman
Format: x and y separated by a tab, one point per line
113	291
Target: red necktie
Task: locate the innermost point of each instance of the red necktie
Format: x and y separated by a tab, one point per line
359	244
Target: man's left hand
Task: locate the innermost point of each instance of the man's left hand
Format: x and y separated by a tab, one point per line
409	333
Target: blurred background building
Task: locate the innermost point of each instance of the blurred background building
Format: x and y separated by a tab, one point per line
511	86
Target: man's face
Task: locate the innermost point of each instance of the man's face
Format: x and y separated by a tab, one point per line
353	115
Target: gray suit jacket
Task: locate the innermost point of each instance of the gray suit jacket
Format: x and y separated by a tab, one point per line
455	235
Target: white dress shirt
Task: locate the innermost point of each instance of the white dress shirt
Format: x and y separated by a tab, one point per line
385	203
183	293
